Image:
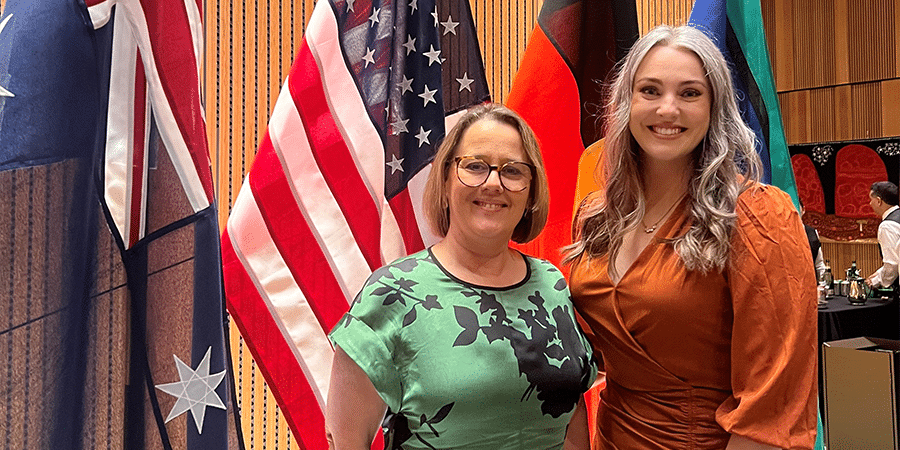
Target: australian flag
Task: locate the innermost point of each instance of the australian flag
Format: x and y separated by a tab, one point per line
112	331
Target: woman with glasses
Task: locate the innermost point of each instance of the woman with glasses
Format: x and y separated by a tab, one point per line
468	344
691	274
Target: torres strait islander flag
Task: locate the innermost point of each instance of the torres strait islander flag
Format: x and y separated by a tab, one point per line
737	28
113	330
575	44
335	189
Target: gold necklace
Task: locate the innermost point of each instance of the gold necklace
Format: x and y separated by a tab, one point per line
650	230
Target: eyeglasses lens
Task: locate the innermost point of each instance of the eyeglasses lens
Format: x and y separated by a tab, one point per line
473	172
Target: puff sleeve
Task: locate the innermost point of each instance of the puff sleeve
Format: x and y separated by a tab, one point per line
774	338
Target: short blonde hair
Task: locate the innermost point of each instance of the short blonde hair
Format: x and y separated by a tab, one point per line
434	199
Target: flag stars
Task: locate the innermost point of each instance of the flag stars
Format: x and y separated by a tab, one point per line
410	44
465	82
399	127
395	164
374	17
195	392
413	5
422	136
434	56
350	5
428	96
435	15
405	85
369	57
450	25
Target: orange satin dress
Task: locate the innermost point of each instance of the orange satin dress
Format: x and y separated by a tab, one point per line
691	358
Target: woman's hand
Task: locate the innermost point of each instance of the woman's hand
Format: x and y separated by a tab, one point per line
354	409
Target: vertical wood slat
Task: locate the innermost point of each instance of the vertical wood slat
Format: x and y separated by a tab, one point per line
651	13
842	254
840	113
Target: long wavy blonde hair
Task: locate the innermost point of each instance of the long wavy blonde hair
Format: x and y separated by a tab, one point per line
724	164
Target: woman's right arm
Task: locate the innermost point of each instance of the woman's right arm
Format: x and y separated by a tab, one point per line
354	410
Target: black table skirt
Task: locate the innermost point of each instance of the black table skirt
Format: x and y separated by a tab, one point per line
875	318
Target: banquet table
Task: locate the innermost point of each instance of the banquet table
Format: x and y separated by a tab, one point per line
875	318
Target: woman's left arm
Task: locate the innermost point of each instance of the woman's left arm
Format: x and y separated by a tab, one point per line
774	339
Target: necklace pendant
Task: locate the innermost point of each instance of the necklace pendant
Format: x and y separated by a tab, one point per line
650	230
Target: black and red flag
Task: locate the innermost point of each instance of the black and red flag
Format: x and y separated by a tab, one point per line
575	43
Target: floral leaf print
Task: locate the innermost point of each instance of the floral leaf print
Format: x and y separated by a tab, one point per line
441	414
395	297
405	284
409	317
468	320
431	303
488	302
560	285
407	265
382	290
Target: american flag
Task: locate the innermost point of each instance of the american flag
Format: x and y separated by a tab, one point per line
117	311
335	189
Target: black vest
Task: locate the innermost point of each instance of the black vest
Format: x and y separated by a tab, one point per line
893	217
814	243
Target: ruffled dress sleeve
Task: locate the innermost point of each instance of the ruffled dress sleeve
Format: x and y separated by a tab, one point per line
368	333
774	339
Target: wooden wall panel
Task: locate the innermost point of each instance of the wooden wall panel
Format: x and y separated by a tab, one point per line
872	25
842	254
657	12
839	113
866	107
890	107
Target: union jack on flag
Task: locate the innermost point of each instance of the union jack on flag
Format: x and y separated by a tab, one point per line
335	189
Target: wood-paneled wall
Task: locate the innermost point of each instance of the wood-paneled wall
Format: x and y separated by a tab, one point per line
836	67
250	46
842	254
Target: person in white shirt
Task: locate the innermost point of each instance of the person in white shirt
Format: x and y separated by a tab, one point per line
883	199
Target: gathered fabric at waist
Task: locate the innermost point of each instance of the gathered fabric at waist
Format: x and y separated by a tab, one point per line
665	420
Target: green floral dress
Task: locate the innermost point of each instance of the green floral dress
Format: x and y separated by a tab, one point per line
462	366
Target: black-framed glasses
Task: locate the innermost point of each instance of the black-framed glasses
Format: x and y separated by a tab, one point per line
472	171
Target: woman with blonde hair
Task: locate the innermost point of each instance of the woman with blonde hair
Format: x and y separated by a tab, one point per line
689	272
468	344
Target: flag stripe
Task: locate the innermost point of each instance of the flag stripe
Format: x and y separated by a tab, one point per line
294	240
163	96
120	132
401	204
280	369
351	116
181	87
333	157
283	298
137	157
314	200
